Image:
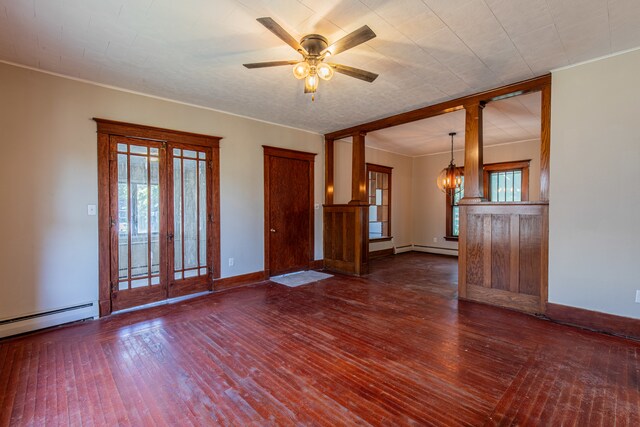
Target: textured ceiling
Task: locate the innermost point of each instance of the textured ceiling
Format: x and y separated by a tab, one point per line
426	51
508	120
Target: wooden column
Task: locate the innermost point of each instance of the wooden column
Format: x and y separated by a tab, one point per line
328	171
104	227
358	171
545	142
473	179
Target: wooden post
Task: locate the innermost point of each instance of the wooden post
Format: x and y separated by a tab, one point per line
358	171
545	142
104	227
328	171
473	179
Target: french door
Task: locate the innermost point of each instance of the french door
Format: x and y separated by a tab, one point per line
161	220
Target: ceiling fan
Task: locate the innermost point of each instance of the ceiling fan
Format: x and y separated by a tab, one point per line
314	49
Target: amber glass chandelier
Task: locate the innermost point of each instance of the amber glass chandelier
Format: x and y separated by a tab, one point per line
450	178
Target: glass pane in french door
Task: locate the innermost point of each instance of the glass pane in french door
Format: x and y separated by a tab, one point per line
190	176
138	204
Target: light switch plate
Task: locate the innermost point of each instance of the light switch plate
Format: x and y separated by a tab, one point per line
91	210
638	296
317	205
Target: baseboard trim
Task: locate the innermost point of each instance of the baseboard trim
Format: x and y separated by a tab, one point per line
626	327
404	248
436	250
317	264
236	281
381	253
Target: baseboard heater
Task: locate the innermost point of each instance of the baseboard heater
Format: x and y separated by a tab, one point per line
46	319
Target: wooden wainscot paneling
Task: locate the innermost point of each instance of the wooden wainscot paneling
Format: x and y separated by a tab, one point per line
346	242
504	254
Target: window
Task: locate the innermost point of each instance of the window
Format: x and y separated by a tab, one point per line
507	181
503	182
379	183
453	211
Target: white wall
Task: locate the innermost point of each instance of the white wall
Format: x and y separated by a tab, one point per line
429	215
401	214
594	214
48	175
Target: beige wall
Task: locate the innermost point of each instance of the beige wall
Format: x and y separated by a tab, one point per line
429	215
48	176
594	213
401	221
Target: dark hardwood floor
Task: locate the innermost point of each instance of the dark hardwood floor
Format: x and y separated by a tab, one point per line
394	348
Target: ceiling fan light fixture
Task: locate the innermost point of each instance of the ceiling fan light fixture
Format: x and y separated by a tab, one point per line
314	49
301	70
311	83
325	72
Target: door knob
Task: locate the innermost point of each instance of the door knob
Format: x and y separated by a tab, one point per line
273	230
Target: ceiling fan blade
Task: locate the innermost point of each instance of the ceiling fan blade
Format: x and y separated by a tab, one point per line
352	39
367	76
269	64
276	29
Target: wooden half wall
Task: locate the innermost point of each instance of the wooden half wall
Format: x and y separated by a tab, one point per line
346	243
503	257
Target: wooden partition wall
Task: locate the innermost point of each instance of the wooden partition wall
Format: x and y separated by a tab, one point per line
346	227
503	247
345	244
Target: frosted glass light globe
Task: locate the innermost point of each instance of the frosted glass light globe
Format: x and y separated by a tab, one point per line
325	72
301	70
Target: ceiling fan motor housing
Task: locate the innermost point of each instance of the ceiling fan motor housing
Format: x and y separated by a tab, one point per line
314	44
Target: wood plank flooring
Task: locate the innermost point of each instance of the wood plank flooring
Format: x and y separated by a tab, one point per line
393	348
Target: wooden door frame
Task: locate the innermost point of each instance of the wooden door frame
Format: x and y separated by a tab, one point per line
107	128
287	154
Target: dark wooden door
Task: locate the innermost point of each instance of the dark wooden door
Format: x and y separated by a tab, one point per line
288	210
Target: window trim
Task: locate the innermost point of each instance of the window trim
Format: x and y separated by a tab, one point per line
487	169
372	167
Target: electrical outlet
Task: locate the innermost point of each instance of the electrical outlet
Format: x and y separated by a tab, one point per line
231	262
435	240
638	296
